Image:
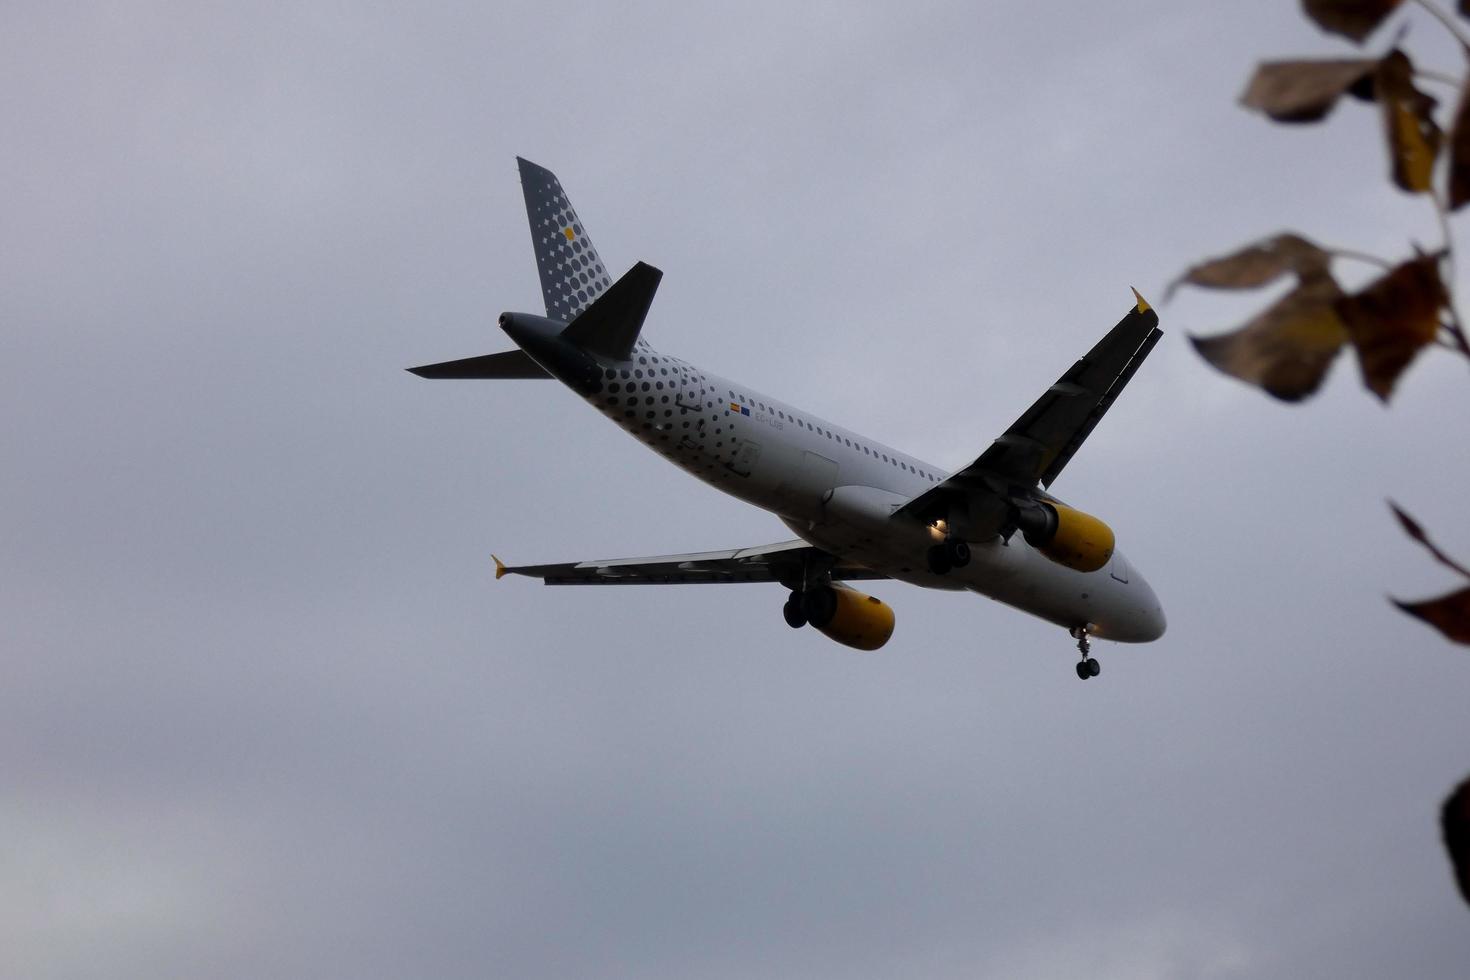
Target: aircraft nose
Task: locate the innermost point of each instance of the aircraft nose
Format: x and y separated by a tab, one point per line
1150	620
1140	619
1155	622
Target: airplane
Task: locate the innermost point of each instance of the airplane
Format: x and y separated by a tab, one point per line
860	510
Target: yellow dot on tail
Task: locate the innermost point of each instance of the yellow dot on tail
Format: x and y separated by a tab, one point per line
569	233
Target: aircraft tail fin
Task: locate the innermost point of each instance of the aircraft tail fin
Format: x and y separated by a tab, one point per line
572	273
610	325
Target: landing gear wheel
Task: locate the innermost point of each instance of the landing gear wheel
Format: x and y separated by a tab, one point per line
819	606
940	562
795	615
1087	666
957	551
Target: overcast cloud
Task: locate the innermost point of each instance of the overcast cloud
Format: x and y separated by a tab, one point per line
264	711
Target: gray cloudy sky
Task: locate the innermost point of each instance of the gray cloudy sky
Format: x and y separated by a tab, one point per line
264	711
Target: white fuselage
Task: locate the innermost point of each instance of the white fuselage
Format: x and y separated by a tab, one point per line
838	490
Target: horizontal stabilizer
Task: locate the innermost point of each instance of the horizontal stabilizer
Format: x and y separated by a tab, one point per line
510	365
611	324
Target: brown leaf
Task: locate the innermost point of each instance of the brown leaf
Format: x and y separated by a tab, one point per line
1450	614
1454	819
1392	319
1287	349
1306	91
1354	19
1460	146
1408	121
1258	264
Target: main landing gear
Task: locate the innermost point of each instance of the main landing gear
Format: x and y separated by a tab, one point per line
1087	666
949	554
795	615
812	606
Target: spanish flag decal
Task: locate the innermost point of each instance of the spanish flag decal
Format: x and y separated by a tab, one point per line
737	407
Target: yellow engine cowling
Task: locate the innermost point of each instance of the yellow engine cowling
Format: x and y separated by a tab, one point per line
1077	540
854	619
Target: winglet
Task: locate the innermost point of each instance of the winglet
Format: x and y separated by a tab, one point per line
499	568
1142	306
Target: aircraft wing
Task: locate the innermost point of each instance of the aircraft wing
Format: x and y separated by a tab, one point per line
1046	436
782	562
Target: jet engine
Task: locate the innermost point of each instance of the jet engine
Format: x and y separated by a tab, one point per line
848	616
1066	536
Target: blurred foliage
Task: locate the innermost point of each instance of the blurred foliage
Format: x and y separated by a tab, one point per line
1455	821
1287	349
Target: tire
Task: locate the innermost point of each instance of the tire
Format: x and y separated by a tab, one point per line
958	552
792	611
1082	670
818	606
1093	667
939	562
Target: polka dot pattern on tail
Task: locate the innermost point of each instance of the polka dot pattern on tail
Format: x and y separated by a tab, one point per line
571	271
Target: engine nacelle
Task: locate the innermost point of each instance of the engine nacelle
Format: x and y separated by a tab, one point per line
849	617
1068	537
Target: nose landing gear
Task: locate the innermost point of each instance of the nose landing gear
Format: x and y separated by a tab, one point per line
1087	666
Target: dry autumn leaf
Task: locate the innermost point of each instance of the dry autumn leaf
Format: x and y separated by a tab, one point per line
1258	264
1354	19
1408	121
1460	150
1454	821
1287	349
1392	319
1450	614
1306	91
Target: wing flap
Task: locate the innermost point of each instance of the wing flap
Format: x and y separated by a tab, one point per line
1048	434
782	562
1102	404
